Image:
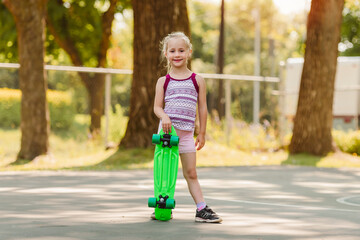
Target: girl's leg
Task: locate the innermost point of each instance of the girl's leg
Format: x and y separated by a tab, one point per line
203	213
188	161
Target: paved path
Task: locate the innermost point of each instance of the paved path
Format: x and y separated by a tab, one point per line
289	203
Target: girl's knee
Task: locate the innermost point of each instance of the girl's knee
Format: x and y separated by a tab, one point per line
190	174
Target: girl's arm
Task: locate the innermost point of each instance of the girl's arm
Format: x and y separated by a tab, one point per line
159	105
202	108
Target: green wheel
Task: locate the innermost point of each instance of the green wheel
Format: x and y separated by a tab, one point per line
170	203
152	202
156	139
174	141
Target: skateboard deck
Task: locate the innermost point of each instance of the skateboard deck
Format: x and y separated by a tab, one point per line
166	161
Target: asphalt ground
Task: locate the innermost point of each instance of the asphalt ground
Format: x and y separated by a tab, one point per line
273	202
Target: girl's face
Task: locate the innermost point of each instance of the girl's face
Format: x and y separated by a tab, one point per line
177	52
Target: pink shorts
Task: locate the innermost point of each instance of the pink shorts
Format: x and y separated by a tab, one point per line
186	140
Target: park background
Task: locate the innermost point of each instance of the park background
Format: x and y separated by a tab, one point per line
74	35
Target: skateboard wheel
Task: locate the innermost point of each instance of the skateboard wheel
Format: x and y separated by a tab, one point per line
152	202
174	141
170	203
156	139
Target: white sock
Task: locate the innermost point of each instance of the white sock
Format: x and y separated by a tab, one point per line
200	206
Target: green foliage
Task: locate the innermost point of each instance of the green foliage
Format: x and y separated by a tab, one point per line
350	35
61	109
204	32
245	137
79	22
9	78
348	141
117	124
239	47
120	92
79	19
10	108
70	81
8	37
121	52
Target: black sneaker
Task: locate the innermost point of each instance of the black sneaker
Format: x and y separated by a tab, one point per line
207	215
154	218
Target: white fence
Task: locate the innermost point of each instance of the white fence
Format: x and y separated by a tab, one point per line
109	71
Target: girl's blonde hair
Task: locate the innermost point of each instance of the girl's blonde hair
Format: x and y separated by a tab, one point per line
164	45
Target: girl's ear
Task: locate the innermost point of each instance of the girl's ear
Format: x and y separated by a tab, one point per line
190	53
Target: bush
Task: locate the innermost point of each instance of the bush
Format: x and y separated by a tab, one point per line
10	114
62	111
245	137
348	142
117	124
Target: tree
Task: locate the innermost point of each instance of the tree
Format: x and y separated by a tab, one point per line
30	25
313	119
83	30
239	49
220	62
153	20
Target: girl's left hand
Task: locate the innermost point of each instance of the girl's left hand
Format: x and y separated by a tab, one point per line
200	141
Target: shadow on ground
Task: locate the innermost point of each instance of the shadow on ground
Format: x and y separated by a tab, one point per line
256	203
123	159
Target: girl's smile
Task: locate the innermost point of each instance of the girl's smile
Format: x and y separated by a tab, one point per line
177	52
177	60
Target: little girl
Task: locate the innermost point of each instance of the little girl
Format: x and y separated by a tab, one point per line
180	90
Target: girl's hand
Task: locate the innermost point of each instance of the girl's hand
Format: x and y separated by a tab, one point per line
200	141
166	124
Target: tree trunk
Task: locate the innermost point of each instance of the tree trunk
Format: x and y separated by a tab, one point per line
94	85
220	63
313	120
153	20
30	25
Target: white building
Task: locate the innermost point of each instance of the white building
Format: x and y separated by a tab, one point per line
346	107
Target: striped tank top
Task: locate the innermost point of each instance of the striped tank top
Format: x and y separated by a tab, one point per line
180	101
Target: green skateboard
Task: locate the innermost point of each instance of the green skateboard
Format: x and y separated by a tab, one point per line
166	161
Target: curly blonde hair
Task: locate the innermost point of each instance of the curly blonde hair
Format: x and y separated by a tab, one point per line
164	46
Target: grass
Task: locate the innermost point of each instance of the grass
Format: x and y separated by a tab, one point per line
332	160
72	150
212	155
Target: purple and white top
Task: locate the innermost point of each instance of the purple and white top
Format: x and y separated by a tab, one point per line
181	97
